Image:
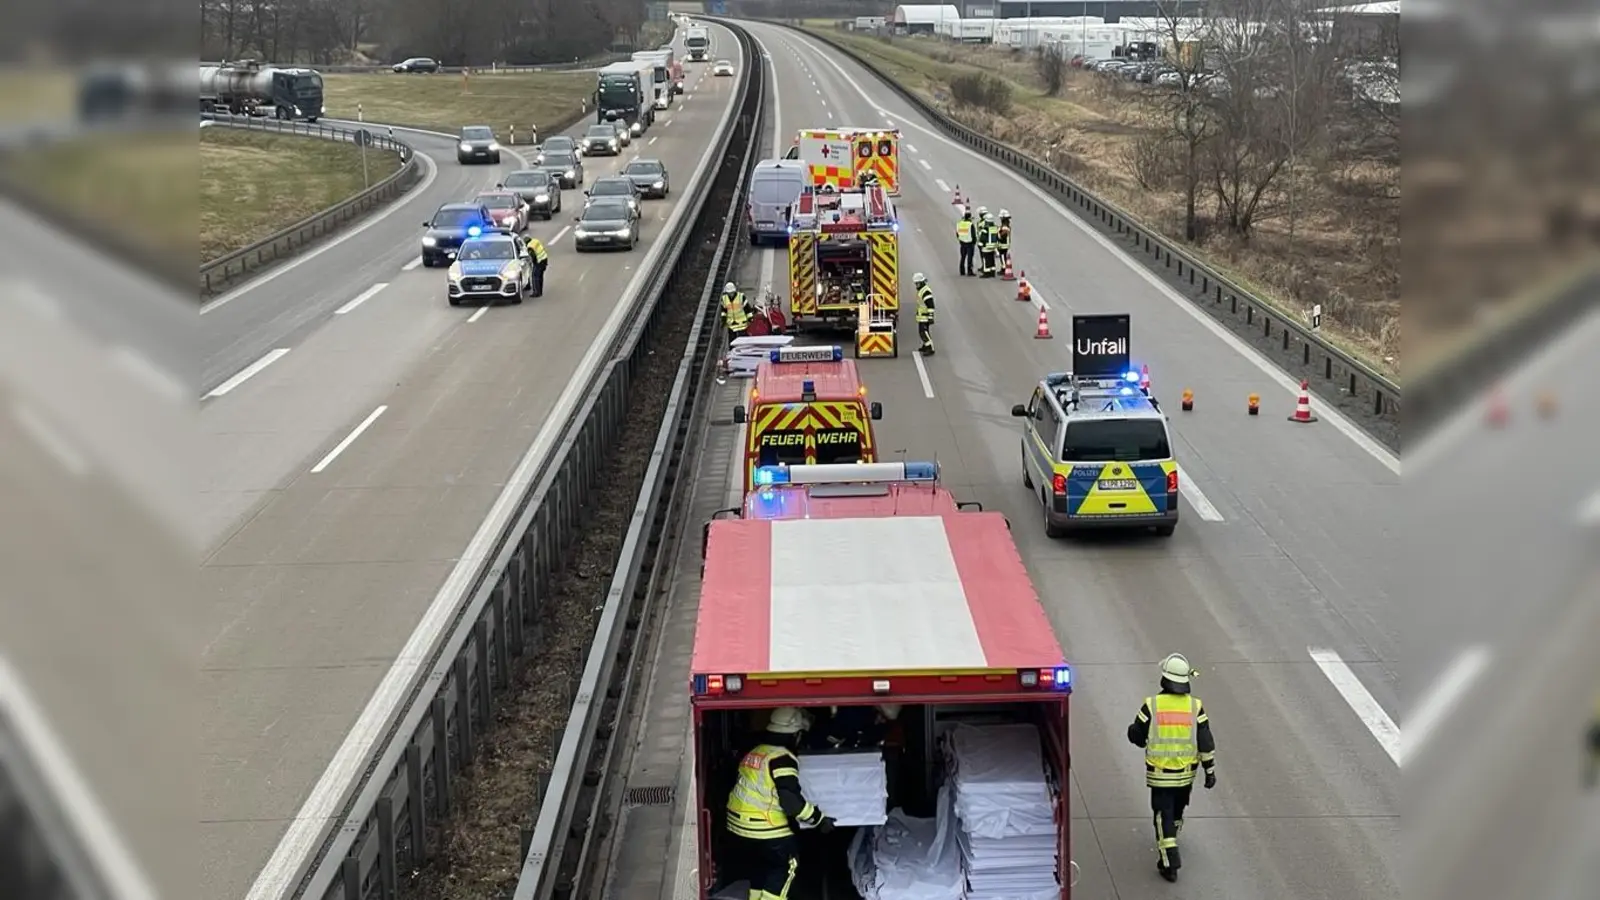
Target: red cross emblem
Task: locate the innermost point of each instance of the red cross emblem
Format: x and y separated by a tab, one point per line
825	151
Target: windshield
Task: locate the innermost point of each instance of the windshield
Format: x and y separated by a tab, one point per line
454	218
559	159
611	188
605	212
1105	440
476	134
527	179
499	201
602	131
643	168
308	83
488	250
557	143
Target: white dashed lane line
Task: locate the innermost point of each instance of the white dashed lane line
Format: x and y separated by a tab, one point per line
248	372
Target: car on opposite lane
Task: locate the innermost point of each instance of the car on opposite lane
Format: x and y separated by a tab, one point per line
477	145
606	224
557	144
417	64
538	189
507	208
650	177
450	225
722	68
602	140
566	168
492	266
617	186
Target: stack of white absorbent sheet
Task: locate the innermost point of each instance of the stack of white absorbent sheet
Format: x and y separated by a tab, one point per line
1005	813
909	858
852	788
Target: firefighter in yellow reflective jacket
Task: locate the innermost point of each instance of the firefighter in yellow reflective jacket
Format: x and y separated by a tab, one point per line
988	245
736	311
1175	733
1592	775
765	803
1002	238
966	239
924	313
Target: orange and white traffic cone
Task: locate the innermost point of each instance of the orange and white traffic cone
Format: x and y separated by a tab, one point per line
1005	271
956	200
1144	379
1302	406
1043	331
1024	289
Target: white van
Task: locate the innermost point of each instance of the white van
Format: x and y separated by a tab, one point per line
774	187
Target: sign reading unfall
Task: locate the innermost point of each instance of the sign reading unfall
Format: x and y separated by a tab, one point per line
1100	346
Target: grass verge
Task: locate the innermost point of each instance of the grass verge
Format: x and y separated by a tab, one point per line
33	94
548	100
253	184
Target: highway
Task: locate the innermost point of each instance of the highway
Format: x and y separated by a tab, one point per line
359	437
1279	584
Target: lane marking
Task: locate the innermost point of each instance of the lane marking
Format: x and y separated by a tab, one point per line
50	440
667	124
945	188
302	259
925	166
1360	700
1202	504
411	265
911	147
361	298
922	373
154	377
1589	513
1279	377
1441	697
477	315
653	140
560	234
348	440
248	372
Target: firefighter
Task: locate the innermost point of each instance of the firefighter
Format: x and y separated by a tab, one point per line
1175	733
736	311
1003	238
986	246
966	237
867	179
541	261
765	802
924	313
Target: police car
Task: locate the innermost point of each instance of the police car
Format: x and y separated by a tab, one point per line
492	266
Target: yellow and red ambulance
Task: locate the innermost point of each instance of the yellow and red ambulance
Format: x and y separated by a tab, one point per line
837	157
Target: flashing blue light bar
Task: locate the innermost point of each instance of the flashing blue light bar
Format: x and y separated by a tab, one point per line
1062	678
846	473
1132	377
1127	392
474	231
808	387
807	354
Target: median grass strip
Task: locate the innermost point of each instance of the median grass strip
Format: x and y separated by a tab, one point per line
253	184
447	102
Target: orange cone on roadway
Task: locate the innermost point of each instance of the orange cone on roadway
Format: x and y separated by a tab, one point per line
1043	331
1024	289
1005	271
1302	406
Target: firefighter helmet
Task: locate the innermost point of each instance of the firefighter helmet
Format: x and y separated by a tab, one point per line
730	288
919	278
786	720
1176	669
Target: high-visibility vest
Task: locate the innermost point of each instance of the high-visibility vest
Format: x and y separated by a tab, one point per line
964	231
989	236
1003	237
753	807
925	304
1172	748
536	247
738	319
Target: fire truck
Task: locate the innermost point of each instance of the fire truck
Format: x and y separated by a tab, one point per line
844	253
838	157
808	405
840	589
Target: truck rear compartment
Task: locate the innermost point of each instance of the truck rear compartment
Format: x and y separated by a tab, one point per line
912	762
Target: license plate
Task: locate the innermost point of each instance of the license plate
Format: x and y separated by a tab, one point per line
1118	484
601	240
767	226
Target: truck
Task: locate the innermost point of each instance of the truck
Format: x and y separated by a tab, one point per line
905	627
624	93
840	156
698	42
807	405
250	89
669	69
844	251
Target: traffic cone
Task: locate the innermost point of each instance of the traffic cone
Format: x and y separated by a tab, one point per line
1188	400
1302	406
956	199
1254	401
1043	332
1144	379
1005	271
1024	289
1498	412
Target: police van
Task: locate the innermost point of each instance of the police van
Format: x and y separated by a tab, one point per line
1096	448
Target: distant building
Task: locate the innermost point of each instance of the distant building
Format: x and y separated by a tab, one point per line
1108	10
924	19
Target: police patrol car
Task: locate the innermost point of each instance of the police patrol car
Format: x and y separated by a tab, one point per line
1096	449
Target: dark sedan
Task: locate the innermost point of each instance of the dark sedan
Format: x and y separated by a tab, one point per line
559	143
537	188
417	64
452	224
565	167
650	177
477	145
602	140
607	225
614	187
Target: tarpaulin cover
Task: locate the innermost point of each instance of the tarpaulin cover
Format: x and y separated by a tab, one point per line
850	788
909	858
1006	811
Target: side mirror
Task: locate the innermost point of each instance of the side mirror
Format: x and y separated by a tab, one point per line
875	410
738	415
427	224
1019	411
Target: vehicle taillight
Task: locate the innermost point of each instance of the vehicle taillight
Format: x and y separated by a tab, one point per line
1172	482
1058	484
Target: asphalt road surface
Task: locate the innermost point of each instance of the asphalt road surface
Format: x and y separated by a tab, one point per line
1278	584
347	478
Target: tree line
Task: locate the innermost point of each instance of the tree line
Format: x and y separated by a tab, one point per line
455	32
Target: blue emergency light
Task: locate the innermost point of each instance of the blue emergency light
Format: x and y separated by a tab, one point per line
1127	392
1132	377
474	231
846	473
808	387
1062	678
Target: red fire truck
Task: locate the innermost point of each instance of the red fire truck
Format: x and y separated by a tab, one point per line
858	586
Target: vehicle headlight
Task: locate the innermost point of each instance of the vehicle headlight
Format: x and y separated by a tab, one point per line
466	147
494	146
430	242
571	173
539	160
658	185
581	231
541	198
507	220
454	272
613	143
624	231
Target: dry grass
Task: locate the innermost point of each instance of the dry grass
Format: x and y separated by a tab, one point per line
448	102
142	183
253	184
1087	133
34	94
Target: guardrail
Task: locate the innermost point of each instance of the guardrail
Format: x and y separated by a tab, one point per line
1292	343
577	65
385	828
225	270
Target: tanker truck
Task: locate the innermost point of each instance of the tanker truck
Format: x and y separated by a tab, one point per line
251	89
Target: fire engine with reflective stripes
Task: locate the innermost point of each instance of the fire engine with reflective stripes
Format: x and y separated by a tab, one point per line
807	405
844	264
838	157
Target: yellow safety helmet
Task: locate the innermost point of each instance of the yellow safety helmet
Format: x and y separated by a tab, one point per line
787	720
1176	669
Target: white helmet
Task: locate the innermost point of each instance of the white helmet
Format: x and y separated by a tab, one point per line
988	217
1176	669
730	288
786	720
919	278
1005	213
983	210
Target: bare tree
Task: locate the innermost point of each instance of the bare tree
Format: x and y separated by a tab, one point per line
1051	64
1185	113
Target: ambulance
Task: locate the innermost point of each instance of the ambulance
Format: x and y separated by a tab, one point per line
844	251
807	405
836	157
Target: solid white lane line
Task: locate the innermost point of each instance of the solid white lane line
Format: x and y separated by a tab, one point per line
50	440
411	265
1360	700
360	298
1589	513
925	165
653	140
248	372
922	373
559	235
348	440
477	315
1441	697
1197	498
943	188
154	377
